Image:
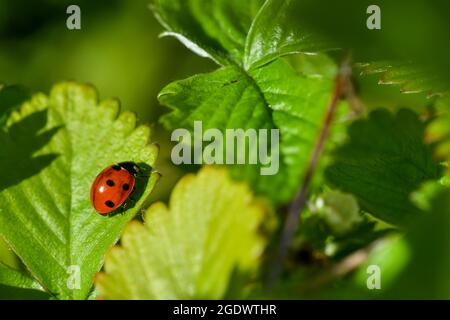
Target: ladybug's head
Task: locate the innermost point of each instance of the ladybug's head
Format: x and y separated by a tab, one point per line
131	167
135	169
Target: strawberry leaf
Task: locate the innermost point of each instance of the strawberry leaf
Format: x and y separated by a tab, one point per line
52	149
188	249
384	160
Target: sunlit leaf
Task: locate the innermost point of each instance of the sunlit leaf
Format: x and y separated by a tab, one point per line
215	29
52	149
276	32
190	248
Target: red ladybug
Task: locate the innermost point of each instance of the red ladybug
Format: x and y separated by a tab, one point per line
113	187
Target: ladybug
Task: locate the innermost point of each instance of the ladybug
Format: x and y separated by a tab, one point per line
113	187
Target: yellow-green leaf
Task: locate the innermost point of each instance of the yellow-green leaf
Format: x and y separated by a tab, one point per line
189	249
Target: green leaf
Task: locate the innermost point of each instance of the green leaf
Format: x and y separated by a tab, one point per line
384	160
408	77
424	196
426	275
276	32
52	150
189	249
14	293
291	26
7	256
219	99
438	131
215	29
14	278
274	96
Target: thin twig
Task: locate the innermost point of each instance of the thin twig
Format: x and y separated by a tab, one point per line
292	220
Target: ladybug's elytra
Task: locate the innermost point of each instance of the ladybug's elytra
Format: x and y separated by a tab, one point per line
113	187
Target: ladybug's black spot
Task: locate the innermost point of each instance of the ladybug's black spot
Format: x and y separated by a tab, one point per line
116	167
109	204
126	187
110	183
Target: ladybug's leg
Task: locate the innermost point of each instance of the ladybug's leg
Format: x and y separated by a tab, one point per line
127	204
124	207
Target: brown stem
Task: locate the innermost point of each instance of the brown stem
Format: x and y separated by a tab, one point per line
292	220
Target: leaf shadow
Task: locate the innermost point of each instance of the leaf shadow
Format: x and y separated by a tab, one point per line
15	293
10	98
19	145
140	187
